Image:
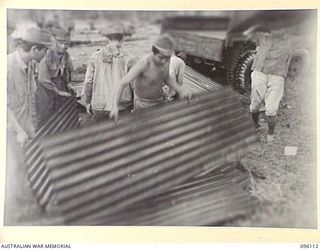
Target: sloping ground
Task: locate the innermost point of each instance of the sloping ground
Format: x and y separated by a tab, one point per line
99	170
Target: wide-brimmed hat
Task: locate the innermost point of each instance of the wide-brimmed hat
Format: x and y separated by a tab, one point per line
165	44
39	36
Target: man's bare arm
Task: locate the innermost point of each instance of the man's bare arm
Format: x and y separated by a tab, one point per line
88	84
134	72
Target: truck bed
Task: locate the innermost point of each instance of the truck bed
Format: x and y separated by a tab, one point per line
200	43
215	34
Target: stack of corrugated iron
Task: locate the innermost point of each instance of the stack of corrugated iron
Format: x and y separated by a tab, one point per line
163	166
66	118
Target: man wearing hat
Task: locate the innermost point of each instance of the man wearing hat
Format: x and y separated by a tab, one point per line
270	68
54	76
21	81
21	87
104	70
149	75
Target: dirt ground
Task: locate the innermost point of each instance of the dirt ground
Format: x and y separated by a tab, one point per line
285	185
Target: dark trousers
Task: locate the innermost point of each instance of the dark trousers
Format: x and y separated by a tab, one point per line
47	103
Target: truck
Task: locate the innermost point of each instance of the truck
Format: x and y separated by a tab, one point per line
215	44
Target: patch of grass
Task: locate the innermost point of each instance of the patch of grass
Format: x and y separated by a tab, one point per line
288	191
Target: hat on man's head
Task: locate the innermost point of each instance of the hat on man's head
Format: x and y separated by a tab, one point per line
60	34
39	36
165	44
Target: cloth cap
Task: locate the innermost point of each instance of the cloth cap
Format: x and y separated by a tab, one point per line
35	35
60	34
165	44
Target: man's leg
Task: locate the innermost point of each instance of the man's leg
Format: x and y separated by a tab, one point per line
258	90
44	104
273	97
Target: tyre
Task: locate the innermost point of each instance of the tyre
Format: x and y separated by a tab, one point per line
243	71
236	57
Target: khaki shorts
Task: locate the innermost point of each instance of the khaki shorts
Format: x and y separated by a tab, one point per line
268	88
140	103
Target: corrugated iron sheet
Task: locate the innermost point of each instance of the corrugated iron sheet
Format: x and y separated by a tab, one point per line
219	196
99	170
65	119
193	81
198	83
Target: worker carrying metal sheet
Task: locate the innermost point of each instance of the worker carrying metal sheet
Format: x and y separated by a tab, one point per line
53	77
270	67
105	69
21	84
149	75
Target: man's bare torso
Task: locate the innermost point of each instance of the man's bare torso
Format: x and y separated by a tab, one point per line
148	85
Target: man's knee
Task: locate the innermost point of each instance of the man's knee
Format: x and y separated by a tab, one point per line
271	112
254	109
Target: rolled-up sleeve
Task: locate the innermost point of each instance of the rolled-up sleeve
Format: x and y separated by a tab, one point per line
70	69
88	81
44	76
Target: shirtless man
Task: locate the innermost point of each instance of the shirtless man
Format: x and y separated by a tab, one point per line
149	75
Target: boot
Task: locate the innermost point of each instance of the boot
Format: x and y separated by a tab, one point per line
271	120
255	119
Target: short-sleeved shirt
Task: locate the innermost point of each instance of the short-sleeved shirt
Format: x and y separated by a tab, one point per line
105	69
21	87
176	69
274	53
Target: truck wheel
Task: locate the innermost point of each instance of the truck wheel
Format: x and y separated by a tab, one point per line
242	72
235	57
232	60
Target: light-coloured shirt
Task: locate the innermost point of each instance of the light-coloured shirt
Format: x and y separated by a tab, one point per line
21	87
176	69
274	53
105	69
